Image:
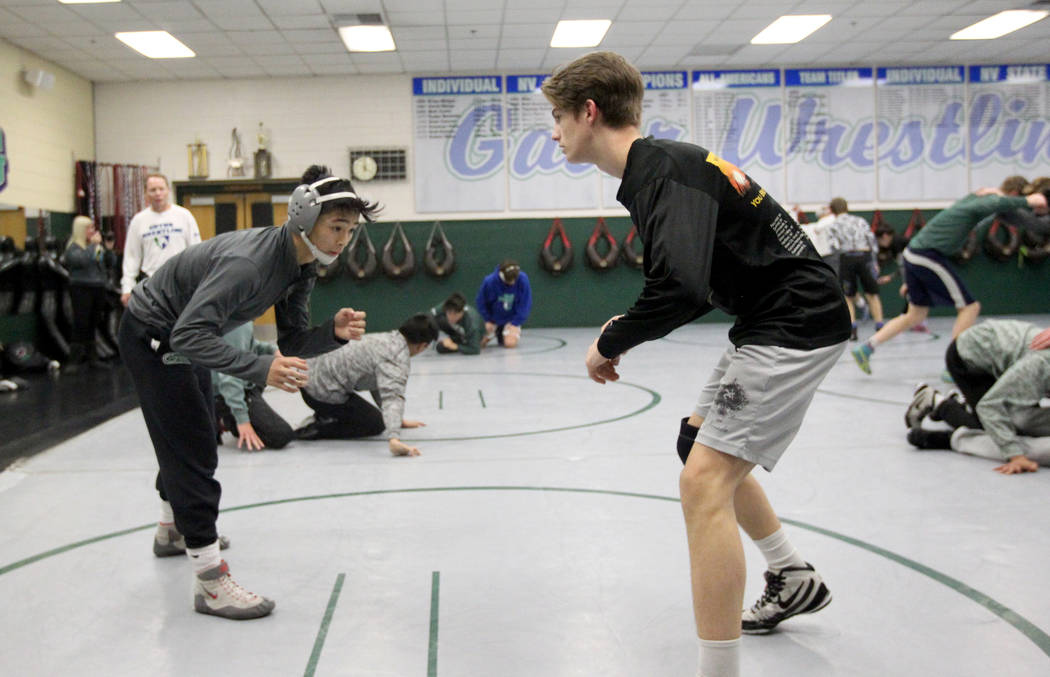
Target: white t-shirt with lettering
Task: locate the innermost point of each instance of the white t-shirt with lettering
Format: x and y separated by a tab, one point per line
153	238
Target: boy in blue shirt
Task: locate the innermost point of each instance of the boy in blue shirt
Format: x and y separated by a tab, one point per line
504	302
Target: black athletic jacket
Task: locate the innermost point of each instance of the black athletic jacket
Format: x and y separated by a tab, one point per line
713	238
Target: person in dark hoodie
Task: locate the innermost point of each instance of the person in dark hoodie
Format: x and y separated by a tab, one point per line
713	238
504	301
171	336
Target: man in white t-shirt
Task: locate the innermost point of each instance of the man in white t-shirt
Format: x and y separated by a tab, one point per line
155	234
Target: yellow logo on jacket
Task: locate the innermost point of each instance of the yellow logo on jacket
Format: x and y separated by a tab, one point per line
737	178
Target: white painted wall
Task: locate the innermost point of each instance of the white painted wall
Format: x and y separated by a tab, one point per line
45	130
312	120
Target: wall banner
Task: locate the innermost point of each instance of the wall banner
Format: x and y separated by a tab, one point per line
921	133
830	134
540	177
459	154
738	115
1008	117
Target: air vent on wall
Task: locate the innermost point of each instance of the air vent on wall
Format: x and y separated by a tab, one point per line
390	164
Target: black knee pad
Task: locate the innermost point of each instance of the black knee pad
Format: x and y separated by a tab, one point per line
686	439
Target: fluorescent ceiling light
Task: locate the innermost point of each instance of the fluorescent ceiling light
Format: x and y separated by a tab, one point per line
582	33
367	38
790	28
999	24
155	44
85	2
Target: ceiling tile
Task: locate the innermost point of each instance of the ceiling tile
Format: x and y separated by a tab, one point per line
75	29
281	60
225	49
646	13
284	8
19	28
418	32
472	32
159	11
697	12
207	39
421	45
326	59
531	59
177	28
297	22
540	15
50	13
264	48
242	23
253	37
486	16
428	18
661	56
228	8
311	35
425	61
473	60
351	6
333	69
319	48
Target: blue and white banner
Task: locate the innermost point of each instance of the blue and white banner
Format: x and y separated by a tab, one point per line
830	134
738	115
665	115
459	152
1009	122
905	135
921	133
540	177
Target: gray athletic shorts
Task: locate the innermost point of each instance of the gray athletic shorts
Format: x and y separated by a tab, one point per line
756	399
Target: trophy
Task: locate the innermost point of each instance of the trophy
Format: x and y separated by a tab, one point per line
197	154
235	158
263	164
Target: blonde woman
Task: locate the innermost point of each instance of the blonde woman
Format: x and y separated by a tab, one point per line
87	262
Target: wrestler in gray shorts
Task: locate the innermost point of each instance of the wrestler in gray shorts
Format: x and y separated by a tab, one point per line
756	399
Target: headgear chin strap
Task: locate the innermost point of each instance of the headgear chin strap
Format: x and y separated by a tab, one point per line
325	259
304	207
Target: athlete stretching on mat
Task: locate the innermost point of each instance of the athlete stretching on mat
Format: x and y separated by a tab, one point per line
713	238
171	336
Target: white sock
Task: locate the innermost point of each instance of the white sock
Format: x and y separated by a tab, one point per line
719	658
779	552
166	514
204	558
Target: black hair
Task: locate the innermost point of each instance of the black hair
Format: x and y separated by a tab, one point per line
366	209
420	328
455	303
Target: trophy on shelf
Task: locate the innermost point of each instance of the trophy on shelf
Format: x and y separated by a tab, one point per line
235	158
197	154
263	163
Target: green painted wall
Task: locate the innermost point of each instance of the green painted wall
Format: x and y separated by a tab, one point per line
585	297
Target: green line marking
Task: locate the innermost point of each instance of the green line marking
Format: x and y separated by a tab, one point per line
482	398
1038	636
432	651
653	401
315	655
